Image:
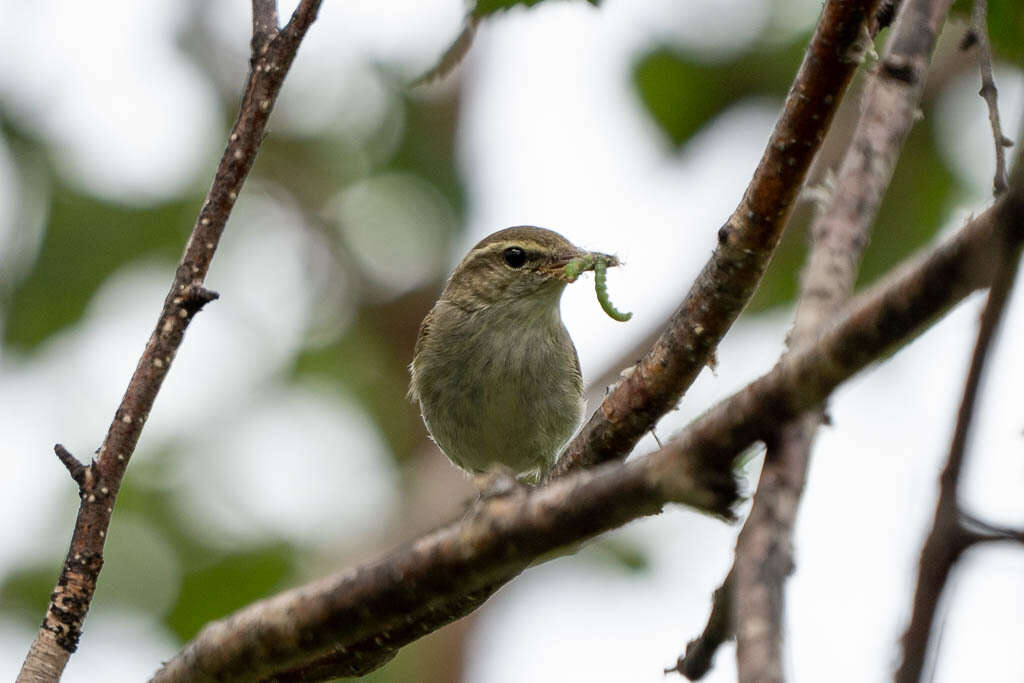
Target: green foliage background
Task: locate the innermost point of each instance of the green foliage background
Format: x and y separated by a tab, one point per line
87	239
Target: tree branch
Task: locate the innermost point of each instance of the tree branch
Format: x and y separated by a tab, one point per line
746	243
988	92
358	618
764	556
264	24
79	472
764	549
949	538
696	660
454	54
495	540
985	532
99	483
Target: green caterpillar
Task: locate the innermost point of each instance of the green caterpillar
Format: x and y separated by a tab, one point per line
599	264
601	287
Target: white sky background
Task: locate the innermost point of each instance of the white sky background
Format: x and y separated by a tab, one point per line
552	136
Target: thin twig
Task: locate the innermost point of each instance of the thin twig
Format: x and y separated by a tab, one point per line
983	531
948	538
455	53
363	615
696	660
988	92
59	633
79	472
746	243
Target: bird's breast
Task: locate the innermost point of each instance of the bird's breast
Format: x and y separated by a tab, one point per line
506	389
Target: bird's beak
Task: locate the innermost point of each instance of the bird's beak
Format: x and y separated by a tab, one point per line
567	267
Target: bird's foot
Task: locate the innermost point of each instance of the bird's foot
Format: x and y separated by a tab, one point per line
497	481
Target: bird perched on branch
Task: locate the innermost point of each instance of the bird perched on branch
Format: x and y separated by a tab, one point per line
494	372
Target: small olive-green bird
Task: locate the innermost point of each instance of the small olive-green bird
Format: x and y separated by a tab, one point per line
495	373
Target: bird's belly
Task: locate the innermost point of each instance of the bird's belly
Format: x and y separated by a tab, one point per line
517	408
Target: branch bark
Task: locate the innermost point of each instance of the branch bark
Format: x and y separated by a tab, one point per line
949	537
356	619
764	549
746	243
100	481
497	539
988	92
764	555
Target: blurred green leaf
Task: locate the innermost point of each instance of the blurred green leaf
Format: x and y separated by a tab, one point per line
1005	27
25	591
228	584
620	553
86	240
428	147
682	93
365	363
141	568
481	8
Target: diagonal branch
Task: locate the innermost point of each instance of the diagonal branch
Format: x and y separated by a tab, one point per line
495	541
350	623
764	555
746	243
948	537
99	483
454	54
699	654
764	550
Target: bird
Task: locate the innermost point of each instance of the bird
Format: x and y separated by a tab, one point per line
494	370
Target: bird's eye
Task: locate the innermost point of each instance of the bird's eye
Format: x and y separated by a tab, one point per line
514	257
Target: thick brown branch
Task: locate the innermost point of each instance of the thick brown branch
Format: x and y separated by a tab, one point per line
948	537
746	243
372	652
363	615
58	636
383	601
764	549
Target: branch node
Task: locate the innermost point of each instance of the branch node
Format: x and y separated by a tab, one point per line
899	68
79	472
969	40
195	297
